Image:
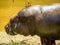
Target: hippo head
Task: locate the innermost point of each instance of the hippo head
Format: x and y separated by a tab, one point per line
20	24
12	25
17	25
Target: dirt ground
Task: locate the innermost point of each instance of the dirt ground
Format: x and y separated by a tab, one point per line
5	38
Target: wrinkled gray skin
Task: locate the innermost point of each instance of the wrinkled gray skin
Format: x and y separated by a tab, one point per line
43	21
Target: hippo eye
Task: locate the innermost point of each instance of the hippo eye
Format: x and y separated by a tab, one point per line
13	21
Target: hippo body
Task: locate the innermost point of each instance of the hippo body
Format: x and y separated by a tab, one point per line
43	21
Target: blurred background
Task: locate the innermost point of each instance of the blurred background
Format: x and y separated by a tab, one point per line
10	7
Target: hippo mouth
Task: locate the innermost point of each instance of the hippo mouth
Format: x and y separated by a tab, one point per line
9	31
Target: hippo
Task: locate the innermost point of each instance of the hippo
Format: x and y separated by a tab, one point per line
43	21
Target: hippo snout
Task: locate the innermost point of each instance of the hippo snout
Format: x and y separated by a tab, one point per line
8	30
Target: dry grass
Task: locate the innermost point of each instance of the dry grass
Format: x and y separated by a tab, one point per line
35	40
5	38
